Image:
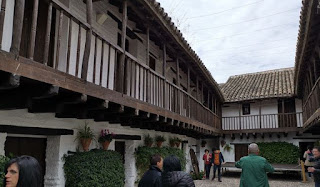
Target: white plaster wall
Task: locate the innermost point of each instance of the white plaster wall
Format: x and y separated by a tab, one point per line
57	146
299	110
3	137
291	138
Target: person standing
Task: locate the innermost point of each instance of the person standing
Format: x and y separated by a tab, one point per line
207	162
308	156
173	176
217	160
316	168
254	168
152	178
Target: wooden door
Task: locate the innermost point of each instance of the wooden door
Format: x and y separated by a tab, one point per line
241	150
35	147
120	148
194	161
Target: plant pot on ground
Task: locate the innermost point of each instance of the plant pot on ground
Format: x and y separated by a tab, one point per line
178	142
172	142
159	139
85	135
148	140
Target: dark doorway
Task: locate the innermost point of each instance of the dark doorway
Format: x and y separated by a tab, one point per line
35	147
287	113
241	150
120	148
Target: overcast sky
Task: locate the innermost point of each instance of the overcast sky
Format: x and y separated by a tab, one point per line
235	37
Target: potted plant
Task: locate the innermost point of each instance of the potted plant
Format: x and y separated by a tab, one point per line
172	142
105	138
85	135
148	140
159	139
178	141
203	143
227	148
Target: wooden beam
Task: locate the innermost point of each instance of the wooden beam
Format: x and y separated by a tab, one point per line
17	26
12	129
87	48
127	137
33	29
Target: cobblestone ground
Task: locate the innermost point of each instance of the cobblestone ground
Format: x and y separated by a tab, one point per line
234	182
276	180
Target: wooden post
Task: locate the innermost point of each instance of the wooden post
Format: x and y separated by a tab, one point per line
165	97
2	14
316	68
303	172
33	29
69	45
197	87
17	27
59	39
87	47
189	91
47	40
202	94
260	114
120	71
239	115
178	75
147	62
78	51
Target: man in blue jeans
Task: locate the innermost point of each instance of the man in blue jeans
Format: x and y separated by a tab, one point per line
217	160
316	168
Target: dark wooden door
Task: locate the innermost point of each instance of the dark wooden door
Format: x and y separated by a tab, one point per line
241	150
35	147
194	161
120	148
287	110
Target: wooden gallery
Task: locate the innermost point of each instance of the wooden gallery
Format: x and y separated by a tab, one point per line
118	65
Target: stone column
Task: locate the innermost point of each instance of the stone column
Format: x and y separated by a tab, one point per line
130	163
3	137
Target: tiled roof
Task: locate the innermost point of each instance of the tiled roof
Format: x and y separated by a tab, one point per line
266	84
173	29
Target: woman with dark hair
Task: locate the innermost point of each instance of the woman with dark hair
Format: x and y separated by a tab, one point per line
23	171
172	175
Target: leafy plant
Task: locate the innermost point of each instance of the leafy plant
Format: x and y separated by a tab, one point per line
172	141
227	147
3	161
279	152
197	177
148	140
160	138
85	133
94	168
317	143
143	154
105	135
178	140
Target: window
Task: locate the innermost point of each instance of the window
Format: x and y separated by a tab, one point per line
246	109
152	63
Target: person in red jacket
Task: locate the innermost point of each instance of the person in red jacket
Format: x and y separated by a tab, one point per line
207	161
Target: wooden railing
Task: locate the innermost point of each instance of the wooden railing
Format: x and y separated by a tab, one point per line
65	48
265	121
312	103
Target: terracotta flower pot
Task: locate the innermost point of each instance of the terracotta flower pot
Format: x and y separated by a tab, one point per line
105	145
85	142
159	144
178	144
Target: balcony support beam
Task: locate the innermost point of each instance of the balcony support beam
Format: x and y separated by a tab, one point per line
17	26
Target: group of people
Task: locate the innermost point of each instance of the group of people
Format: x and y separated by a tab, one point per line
216	160
312	163
165	172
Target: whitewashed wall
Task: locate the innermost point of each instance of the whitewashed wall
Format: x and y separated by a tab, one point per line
57	146
8	26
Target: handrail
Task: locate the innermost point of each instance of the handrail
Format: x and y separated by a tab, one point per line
263	115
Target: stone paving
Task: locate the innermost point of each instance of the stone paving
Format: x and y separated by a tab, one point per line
234	182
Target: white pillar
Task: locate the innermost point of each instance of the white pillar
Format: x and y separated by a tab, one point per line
130	163
3	137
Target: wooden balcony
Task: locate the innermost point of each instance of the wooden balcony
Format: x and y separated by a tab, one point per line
262	123
311	109
67	76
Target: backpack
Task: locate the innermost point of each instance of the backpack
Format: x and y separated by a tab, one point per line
310	157
216	158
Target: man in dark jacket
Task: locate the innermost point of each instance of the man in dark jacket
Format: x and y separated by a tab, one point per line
217	160
316	168
152	178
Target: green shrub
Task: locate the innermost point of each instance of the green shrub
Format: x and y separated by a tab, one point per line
97	168
143	155
279	152
3	162
197	177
